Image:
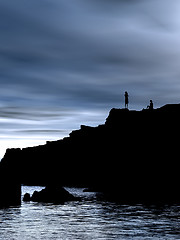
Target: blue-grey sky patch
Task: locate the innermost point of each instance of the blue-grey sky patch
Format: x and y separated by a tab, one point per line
66	63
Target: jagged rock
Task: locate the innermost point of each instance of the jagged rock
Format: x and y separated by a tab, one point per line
10	187
53	194
133	155
26	197
10	194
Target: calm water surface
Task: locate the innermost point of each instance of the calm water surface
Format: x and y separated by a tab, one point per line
88	219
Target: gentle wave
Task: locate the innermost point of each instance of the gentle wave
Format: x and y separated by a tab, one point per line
88	219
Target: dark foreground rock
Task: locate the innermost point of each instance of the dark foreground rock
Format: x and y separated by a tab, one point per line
10	187
10	194
51	194
133	157
27	197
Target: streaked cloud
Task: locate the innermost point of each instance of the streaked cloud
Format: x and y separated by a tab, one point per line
60	60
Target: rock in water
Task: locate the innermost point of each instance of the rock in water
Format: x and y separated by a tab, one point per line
10	186
26	197
53	194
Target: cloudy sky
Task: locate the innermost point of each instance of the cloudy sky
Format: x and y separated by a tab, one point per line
64	63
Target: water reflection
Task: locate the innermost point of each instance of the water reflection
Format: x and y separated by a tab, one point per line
7	214
88	219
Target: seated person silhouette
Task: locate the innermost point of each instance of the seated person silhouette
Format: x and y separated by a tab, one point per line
150	107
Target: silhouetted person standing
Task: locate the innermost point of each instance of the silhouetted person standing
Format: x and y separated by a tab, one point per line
126	99
151	105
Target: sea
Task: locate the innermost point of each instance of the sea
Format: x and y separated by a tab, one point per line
90	218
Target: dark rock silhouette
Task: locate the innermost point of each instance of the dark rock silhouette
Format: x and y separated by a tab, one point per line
10	186
53	194
10	193
27	197
133	157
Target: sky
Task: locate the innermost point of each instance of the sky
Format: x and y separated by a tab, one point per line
64	63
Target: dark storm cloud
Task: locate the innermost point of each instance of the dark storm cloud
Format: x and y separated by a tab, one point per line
84	50
81	55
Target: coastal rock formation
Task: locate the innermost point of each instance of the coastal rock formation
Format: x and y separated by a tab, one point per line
132	157
10	186
51	194
27	197
10	194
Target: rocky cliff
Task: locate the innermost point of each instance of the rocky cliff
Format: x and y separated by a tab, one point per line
10	185
132	157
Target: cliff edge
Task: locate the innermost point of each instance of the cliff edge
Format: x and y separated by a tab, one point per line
132	157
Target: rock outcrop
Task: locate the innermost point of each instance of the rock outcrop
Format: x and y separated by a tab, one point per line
134	156
27	197
10	185
51	194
